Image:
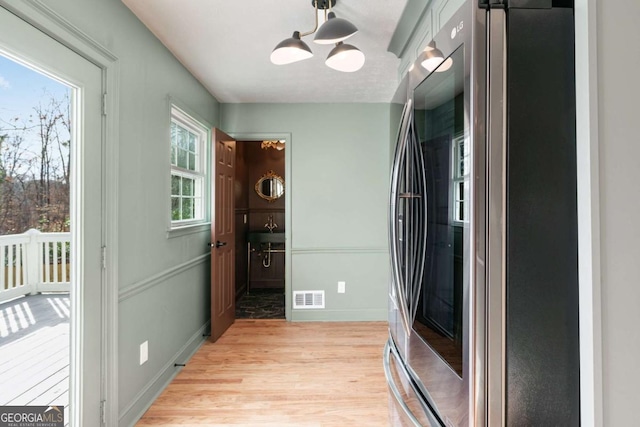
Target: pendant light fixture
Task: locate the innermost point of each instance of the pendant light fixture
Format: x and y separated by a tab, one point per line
334	30
291	50
432	57
343	57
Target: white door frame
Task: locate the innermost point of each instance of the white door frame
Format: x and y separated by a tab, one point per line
39	15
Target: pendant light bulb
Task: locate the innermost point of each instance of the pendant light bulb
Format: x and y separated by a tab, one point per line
334	30
346	58
445	65
291	50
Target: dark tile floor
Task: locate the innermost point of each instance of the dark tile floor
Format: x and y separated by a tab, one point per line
261	304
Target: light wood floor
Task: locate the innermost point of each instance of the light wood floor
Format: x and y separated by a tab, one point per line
275	373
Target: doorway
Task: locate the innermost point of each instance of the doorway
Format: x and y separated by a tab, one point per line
261	226
41	55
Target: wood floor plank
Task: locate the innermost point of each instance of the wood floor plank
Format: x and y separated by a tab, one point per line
277	373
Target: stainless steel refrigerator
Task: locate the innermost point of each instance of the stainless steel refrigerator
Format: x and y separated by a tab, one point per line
483	311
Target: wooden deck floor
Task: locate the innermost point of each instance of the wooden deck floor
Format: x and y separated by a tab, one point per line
34	351
274	373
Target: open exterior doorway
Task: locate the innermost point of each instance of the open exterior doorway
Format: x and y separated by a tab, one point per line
55	176
35	237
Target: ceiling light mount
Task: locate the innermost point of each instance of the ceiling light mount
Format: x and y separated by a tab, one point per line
334	30
324	4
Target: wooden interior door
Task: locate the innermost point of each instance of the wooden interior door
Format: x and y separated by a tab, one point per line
223	236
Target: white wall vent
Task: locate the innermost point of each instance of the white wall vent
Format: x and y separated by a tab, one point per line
308	299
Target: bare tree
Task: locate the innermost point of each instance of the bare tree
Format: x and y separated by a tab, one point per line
34	169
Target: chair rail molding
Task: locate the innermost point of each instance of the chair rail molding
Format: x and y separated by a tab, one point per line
141	286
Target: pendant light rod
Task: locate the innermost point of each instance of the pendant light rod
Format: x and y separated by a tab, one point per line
325	4
334	29
315	2
322	5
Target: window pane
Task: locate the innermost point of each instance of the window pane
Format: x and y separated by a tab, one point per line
461	165
197	207
183	136
174	134
175	209
187	208
187	187
182	158
186	174
175	185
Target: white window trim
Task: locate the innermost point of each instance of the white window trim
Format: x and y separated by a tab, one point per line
202	223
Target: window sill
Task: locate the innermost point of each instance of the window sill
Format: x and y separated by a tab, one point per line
188	229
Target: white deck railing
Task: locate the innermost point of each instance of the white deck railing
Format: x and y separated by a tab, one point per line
34	262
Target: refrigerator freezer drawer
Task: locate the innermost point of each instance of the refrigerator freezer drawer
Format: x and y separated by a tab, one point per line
406	407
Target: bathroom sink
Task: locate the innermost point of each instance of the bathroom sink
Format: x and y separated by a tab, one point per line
265	237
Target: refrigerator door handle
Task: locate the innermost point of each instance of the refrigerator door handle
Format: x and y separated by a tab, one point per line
395	392
419	247
422	410
398	281
496	218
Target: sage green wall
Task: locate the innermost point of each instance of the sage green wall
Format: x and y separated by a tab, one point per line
396	115
164	283
339	155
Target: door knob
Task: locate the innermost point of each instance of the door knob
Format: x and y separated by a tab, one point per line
217	244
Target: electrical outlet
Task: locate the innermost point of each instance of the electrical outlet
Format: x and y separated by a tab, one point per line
144	352
342	287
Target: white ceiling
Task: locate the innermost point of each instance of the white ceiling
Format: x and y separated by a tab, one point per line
226	45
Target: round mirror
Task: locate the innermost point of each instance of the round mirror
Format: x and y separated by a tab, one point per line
270	186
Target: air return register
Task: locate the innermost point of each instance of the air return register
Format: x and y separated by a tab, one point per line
308	299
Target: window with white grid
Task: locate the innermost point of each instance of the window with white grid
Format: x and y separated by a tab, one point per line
188	169
460	179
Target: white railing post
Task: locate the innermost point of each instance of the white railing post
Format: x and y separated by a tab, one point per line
33	260
30	264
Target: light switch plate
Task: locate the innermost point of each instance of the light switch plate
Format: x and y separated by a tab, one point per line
342	287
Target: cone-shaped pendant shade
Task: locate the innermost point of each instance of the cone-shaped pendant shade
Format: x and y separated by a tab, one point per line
346	58
432	57
291	50
334	30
